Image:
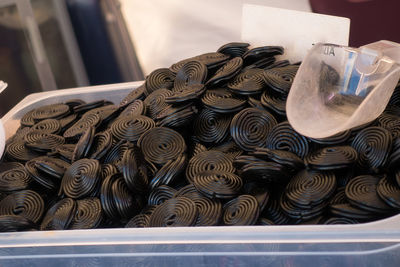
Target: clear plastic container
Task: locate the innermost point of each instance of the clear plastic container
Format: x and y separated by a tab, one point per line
369	244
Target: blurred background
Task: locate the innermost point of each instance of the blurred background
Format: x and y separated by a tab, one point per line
55	44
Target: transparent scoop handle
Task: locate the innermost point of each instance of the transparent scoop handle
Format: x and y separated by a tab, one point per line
384	48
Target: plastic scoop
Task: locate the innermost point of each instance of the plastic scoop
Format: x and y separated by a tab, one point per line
338	88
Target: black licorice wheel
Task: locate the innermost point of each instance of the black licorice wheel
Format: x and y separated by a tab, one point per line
336	139
107	170
137	93
50	126
288	159
178	65
138	221
159	78
338	198
64	151
208	161
243	210
42	142
251	127
102	143
106	113
212	59
126	203
234	49
46	181
226	72
189	191
393	110
54	167
66	122
168	173
115	154
81	179
136	108
131	128
283	137
107	198
84	144
209	211
81	126
196	148
9	165
255	103
177	117
161	144
60	215
265	172
373	145
27	119
134	174
261	63
88	214
343	176
280	79
275	102
74	102
395	98
173	110
264	221
257	53
160	194
211	127
389	192
189	92
394	157
310	188
175	212
261	193
155	102
148	210
248	82
332	158
228	146
230	149
193	72
274	212
53	111
361	192
15	223
348	211
302	214
218	184
14	179
17	151
242	160
89	106
222	101
19	135
338	220
26	203
389	122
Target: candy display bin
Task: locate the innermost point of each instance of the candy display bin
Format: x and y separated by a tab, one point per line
368	244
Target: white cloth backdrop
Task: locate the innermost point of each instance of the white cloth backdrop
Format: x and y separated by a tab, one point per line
165	31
